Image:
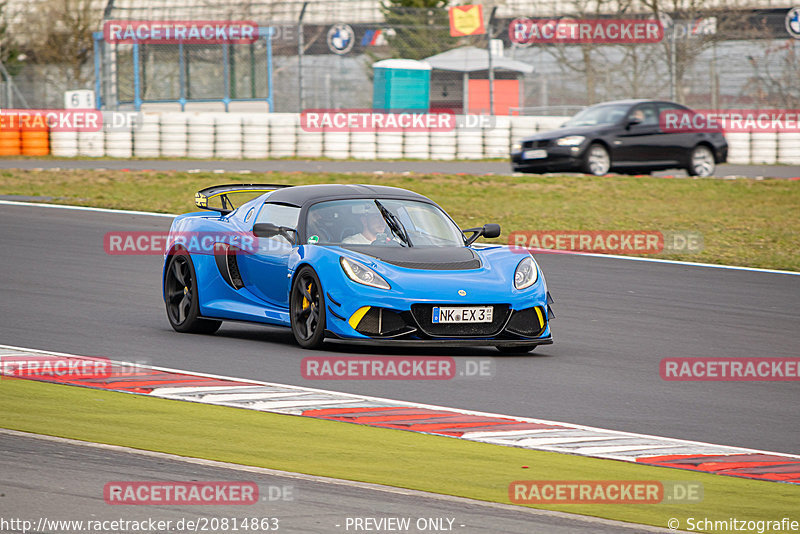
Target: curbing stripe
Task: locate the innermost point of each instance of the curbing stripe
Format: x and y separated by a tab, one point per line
497	429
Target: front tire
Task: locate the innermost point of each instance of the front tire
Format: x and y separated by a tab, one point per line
307	309
701	162
181	298
596	161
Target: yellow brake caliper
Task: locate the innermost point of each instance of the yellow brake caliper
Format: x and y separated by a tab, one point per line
306	303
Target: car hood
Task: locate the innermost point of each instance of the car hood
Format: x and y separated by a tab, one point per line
572	130
425	258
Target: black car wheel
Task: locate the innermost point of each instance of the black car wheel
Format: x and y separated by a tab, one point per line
516	349
307	309
180	297
701	162
596	160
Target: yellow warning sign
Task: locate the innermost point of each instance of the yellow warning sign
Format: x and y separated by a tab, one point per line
466	20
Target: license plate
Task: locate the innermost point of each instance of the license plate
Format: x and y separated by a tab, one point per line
473	314
534	154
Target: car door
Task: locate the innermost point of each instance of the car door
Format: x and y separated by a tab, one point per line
637	142
264	272
675	145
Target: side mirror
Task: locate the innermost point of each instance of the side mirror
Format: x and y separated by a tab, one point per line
491	230
487	230
271	230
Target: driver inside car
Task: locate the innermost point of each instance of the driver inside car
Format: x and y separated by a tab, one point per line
373	227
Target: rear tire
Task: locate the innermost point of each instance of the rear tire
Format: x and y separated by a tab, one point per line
596	160
307	309
181	298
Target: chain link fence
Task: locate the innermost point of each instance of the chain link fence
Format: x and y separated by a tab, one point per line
323	52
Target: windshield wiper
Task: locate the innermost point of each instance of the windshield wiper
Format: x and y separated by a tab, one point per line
395	225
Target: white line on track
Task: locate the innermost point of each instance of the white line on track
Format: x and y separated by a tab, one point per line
629	258
337	481
85	208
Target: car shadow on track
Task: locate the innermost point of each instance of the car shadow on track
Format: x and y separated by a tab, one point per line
283	337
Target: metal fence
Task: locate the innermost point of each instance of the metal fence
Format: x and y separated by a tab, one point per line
133	74
323	52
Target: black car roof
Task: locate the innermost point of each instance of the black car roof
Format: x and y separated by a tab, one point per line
632	101
300	195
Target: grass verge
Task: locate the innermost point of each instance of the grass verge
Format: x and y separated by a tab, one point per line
743	222
354	452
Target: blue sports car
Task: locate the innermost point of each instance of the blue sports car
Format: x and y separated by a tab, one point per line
350	262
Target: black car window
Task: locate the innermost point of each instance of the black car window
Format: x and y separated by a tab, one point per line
279	215
597	115
646	112
669	106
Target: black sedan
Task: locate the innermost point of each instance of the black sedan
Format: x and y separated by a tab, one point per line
624	136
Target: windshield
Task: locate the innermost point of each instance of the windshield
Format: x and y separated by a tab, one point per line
596	115
381	222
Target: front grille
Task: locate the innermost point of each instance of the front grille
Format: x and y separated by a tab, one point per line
526	322
536	144
441	266
380	322
423	315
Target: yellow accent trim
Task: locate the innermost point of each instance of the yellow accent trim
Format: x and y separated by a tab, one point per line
358	315
539	314
231	191
201	200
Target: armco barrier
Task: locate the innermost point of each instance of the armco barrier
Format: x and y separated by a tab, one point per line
279	135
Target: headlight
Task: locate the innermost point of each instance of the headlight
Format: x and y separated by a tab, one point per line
358	272
571	140
516	147
526	273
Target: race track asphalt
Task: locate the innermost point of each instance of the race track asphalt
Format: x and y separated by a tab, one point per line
616	319
66	481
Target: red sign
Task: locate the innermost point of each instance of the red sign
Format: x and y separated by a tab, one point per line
466	20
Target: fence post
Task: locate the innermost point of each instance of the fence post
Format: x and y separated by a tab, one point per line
491	70
182	75
137	96
300	45
96	40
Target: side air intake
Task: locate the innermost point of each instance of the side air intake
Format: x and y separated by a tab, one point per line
225	257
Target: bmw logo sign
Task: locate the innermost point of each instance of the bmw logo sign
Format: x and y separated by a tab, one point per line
341	38
793	22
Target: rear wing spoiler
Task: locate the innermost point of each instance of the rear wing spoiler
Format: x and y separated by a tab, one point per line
202	197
